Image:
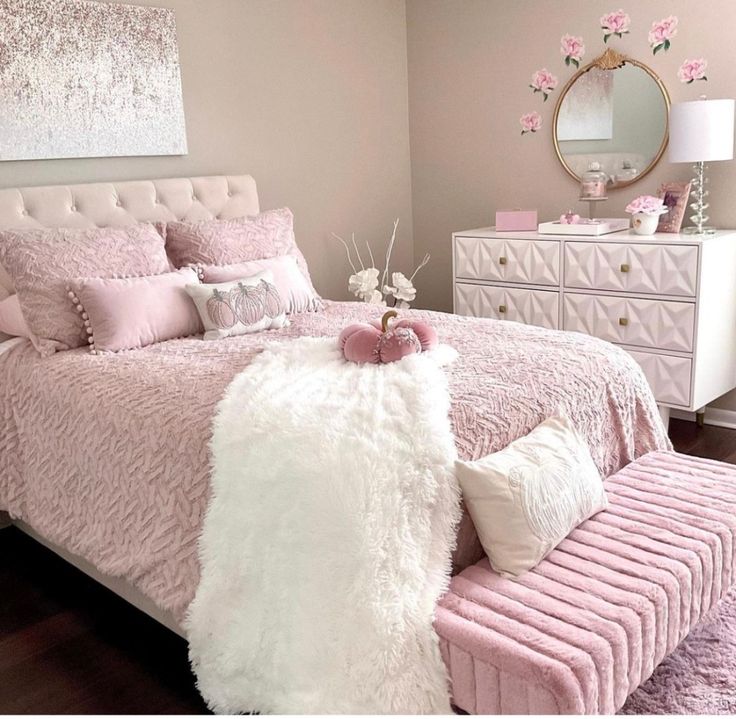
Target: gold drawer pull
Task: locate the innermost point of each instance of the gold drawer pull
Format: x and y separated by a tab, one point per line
623	321
624	268
503	260
502	309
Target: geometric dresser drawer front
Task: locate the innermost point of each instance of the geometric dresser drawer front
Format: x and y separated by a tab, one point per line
657	324
669	377
649	269
532	307
530	262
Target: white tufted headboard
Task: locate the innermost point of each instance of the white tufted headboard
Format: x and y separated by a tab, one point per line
112	204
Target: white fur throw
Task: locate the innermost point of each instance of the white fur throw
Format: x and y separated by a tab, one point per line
328	536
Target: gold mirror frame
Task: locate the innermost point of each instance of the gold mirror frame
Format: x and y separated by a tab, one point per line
612	60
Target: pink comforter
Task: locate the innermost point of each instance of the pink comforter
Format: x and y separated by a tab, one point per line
108	455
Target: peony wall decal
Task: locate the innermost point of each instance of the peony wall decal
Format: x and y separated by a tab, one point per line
530	122
572	49
692	70
615	23
661	34
543	81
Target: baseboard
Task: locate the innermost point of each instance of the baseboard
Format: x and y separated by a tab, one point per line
713	415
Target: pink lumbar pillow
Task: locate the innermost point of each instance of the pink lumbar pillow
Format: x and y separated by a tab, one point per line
291	284
377	343
42	262
12	321
121	314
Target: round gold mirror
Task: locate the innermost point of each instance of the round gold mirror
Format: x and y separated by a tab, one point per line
612	115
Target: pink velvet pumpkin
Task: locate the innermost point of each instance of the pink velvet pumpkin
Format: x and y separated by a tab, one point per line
375	343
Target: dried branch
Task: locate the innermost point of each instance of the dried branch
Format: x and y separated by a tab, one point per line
347	250
423	263
389	250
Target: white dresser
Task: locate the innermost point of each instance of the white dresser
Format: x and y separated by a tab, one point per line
669	300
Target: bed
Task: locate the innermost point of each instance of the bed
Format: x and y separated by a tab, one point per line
106	459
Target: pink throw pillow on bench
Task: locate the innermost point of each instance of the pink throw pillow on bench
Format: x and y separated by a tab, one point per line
291	284
128	313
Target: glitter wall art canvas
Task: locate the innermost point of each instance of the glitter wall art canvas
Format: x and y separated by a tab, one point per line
80	78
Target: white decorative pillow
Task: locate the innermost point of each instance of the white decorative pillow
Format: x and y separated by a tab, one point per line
250	304
525	499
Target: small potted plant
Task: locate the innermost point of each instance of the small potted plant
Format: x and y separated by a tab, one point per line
645	211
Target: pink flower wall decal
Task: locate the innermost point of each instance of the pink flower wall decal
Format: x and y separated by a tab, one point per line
572	49
530	122
692	70
543	81
661	34
615	23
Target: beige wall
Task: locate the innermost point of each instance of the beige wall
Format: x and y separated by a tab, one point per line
470	62
309	96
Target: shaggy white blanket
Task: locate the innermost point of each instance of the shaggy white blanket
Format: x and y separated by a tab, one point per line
328	536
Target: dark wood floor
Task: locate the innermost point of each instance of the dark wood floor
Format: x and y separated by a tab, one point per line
68	646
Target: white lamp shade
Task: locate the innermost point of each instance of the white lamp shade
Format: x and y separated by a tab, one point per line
701	131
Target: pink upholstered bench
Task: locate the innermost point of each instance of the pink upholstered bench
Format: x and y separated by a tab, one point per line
586	627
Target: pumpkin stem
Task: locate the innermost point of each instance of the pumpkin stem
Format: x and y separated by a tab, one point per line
386	318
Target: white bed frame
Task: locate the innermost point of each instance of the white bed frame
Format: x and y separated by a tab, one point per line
114	205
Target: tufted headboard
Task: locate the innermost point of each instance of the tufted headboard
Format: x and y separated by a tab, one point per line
112	204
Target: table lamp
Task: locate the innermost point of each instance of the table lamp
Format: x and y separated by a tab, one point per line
701	131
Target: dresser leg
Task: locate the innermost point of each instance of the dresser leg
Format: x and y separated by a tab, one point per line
664	413
700	417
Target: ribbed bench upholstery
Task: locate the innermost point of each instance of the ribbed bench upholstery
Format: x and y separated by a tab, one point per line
584	629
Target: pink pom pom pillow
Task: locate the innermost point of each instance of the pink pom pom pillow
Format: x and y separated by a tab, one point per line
290	282
225	242
244	306
42	262
121	314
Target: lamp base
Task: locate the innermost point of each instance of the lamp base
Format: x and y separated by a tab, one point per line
696	231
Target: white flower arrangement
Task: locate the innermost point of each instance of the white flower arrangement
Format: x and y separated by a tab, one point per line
364	283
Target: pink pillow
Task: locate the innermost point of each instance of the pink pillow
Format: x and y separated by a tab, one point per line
289	281
224	242
12	321
41	263
121	314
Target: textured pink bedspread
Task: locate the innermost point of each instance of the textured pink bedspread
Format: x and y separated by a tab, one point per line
108	455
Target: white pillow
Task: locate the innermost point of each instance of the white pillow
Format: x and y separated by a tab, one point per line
525	499
250	304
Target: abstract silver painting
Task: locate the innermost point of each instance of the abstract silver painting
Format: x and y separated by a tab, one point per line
88	79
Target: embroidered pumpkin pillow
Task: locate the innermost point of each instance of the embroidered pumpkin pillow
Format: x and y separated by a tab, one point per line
525	499
250	304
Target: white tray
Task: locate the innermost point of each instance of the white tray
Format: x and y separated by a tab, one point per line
604	226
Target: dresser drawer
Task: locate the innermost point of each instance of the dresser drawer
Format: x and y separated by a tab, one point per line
532	262
649	269
532	307
642	323
669	377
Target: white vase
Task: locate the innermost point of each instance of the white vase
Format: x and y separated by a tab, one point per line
644	223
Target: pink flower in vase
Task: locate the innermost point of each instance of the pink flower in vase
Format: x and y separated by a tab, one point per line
543	81
530	122
692	70
615	23
572	49
662	33
647	205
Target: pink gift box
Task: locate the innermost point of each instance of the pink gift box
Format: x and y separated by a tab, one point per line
516	220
